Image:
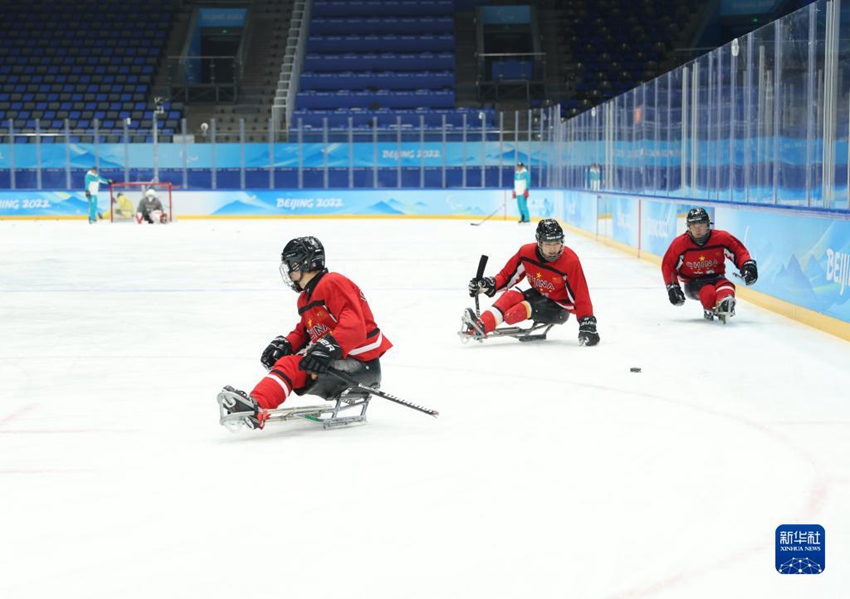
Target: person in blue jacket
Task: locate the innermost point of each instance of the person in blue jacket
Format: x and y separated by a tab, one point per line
92	186
522	182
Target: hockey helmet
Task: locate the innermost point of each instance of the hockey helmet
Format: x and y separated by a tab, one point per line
698	216
151	193
548	230
302	254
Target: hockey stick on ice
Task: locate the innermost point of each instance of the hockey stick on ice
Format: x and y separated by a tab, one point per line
482	264
488	217
347	379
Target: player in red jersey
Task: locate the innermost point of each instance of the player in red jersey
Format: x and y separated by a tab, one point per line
698	259
558	288
336	324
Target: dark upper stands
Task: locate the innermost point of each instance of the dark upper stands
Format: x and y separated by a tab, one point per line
385	62
83	61
616	45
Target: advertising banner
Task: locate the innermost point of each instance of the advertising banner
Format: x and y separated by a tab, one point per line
624	220
579	210
658	226
276	203
804	260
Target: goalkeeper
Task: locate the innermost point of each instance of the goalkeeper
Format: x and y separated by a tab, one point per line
150	209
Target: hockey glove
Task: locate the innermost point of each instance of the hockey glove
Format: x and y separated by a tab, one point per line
278	348
525	194
749	272
88	195
676	295
485	285
587	334
320	355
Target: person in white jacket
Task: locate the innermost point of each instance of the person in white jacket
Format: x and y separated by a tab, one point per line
92	186
522	182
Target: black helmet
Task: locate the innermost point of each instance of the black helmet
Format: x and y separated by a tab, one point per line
548	229
698	216
302	254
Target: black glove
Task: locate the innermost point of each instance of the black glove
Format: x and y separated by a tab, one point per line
88	195
587	334
278	348
110	181
485	285
676	295
749	272
320	355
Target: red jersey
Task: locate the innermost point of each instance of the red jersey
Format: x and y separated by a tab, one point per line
687	261
331	303
562	281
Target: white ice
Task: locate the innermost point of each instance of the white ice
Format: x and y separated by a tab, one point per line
552	471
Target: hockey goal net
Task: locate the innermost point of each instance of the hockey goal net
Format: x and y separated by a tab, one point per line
125	202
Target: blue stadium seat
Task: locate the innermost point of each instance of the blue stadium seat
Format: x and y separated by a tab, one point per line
54	52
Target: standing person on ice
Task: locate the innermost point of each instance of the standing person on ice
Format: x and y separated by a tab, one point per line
558	288
336	323
91	184
522	183
698	258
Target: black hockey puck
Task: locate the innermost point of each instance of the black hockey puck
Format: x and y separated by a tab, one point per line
634	369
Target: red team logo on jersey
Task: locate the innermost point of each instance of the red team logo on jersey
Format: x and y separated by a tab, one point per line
702	266
316	330
544	286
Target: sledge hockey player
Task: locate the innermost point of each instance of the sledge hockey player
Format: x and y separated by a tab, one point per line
336	329
698	259
558	288
123	209
150	209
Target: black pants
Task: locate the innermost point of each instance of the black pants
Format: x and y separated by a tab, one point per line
545	310
328	386
692	287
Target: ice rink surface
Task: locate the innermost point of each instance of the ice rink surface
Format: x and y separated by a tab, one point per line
553	471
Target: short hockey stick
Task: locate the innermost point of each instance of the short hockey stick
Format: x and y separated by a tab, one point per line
347	379
488	217
482	264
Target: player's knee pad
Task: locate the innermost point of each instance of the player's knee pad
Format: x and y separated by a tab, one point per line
508	299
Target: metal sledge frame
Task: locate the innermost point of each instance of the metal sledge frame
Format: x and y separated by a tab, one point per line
519	333
524	334
329	415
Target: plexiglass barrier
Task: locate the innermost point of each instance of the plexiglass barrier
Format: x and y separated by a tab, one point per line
761	120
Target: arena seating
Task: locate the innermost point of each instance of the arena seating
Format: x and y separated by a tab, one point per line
86	61
615	45
384	63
